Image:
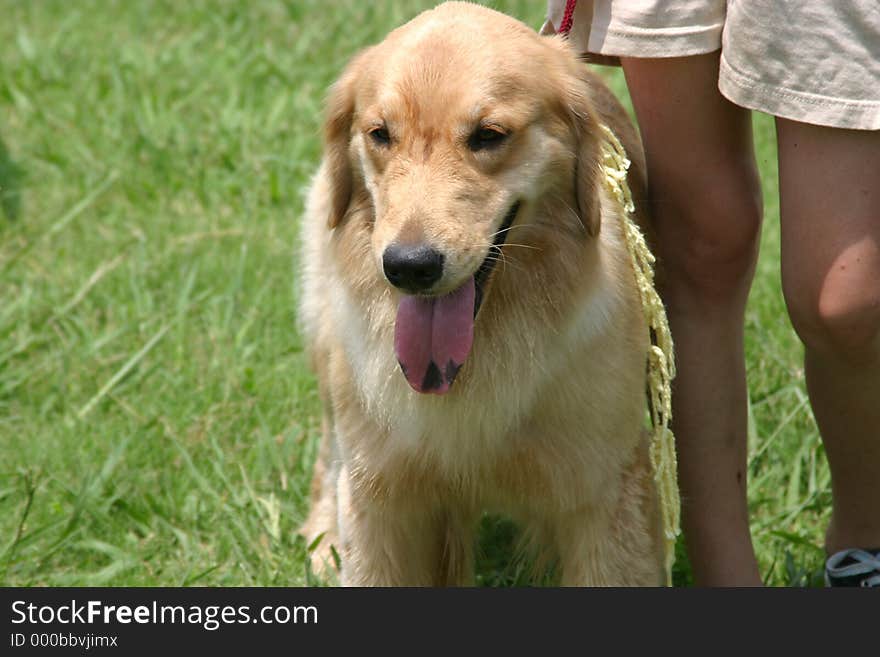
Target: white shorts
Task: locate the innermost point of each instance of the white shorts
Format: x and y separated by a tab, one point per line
815	62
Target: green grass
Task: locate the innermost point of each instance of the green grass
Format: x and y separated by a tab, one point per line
157	418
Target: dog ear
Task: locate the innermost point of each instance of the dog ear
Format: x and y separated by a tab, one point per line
337	139
585	130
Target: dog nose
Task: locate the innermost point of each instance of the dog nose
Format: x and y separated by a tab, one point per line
412	268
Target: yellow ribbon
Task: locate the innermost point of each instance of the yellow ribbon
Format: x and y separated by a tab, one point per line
661	362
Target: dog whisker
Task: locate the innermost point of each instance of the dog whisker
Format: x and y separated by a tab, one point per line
558	198
497	254
524	246
504	230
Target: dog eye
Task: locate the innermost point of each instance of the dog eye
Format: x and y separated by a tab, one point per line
485	138
380	136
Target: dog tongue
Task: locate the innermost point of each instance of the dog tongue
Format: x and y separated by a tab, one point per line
433	336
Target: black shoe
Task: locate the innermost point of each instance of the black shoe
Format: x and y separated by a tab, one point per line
853	568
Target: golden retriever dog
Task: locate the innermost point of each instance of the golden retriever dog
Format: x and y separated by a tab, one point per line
472	314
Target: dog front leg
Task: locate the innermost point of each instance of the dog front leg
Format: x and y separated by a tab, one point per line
616	544
388	541
591	557
586	551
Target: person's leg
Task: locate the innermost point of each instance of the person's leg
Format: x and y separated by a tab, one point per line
705	204
829	182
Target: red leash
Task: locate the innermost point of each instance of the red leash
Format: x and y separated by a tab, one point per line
567	17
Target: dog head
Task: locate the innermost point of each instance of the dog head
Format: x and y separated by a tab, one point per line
452	131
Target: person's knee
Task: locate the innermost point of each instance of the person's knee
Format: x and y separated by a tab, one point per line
837	313
708	240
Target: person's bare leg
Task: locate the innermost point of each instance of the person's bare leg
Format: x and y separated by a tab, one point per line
706	207
829	183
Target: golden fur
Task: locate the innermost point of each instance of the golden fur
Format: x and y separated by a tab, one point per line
544	423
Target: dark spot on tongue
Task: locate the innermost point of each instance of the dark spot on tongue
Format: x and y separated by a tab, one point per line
452	371
433	378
